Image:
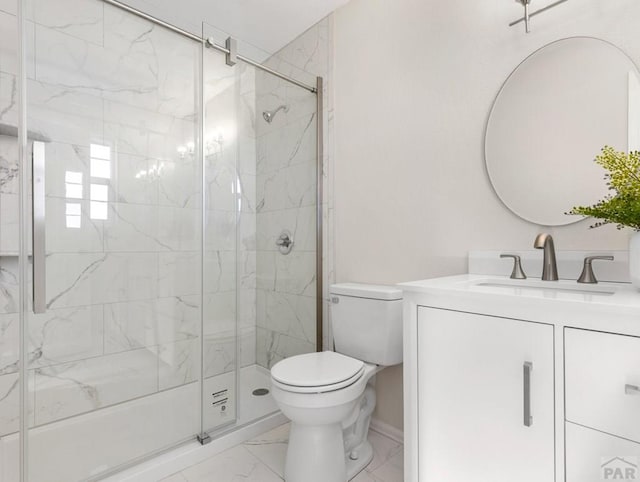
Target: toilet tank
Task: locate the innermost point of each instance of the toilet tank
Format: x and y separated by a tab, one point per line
367	322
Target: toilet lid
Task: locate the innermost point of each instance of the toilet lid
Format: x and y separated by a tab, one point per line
316	369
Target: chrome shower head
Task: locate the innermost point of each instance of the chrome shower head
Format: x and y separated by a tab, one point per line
268	115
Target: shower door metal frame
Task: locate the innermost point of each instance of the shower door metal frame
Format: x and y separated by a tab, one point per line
319	211
23	266
210	44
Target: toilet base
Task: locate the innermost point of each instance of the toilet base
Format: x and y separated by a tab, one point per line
326	465
365	455
329	465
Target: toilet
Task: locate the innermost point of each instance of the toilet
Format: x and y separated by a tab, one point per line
328	396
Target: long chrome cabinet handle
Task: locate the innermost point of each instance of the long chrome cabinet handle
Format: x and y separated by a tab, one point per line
528	418
631	389
38	232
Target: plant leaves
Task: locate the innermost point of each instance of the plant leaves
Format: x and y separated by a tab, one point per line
622	206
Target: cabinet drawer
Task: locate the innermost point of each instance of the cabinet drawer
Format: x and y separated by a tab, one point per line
601	371
594	456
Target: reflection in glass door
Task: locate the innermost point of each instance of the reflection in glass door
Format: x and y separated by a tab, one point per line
114	349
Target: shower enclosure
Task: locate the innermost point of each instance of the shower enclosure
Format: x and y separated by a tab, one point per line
159	235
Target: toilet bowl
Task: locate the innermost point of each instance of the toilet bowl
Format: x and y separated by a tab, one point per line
317	413
328	396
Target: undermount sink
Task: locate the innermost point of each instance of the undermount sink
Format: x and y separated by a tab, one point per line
538	286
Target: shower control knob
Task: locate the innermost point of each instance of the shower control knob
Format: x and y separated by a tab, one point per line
285	242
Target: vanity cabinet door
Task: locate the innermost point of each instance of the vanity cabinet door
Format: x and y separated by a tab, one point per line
472	400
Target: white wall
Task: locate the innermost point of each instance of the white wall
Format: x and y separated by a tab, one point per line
414	82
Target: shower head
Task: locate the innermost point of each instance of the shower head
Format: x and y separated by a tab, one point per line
268	115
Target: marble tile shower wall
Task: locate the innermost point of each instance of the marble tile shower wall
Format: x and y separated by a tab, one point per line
117	98
286	197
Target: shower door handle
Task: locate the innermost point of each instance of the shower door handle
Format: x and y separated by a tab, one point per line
38	228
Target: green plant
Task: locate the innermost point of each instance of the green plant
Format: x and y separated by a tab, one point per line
622	206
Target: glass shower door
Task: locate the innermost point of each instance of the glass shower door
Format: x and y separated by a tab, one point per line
114	348
223	198
260	157
9	246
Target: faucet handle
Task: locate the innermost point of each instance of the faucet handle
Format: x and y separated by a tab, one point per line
587	275
517	272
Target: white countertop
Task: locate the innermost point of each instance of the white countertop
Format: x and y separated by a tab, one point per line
603	306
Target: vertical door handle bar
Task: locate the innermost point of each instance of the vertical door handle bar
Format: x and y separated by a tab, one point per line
38	231
528	418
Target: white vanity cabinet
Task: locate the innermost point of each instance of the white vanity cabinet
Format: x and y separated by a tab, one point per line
469	341
485	398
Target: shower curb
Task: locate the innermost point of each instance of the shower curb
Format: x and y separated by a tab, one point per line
185	456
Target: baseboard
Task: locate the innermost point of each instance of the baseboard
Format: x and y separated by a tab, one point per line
387	430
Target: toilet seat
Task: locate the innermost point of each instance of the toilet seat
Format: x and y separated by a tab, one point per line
316	372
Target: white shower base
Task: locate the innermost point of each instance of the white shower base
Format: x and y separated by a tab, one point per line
253	407
193	453
105	436
257	414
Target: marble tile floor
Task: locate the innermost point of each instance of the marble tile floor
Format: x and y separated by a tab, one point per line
261	459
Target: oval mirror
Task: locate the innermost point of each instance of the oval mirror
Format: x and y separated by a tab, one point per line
551	118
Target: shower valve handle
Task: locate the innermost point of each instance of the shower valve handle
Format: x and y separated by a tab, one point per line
285	242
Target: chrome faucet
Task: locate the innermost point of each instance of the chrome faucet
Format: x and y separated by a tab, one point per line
549	267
